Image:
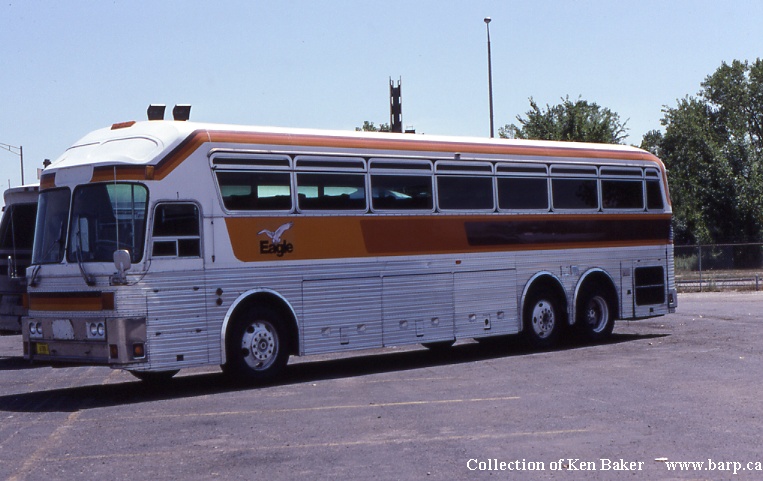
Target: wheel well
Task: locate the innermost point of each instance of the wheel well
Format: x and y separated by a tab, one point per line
548	284
600	282
271	301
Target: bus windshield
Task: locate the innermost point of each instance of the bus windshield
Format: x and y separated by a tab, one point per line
106	218
52	214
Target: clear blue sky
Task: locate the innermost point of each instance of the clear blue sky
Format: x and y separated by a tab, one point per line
69	67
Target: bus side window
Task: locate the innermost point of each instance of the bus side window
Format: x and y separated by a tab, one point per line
176	231
622	194
260	191
577	194
654	195
465	193
401	192
329	191
523	193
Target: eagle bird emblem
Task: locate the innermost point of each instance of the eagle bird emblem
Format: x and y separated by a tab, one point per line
275	237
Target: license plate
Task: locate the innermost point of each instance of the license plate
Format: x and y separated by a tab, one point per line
42	349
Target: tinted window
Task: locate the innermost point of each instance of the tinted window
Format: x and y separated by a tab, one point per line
465	193
654	195
18	226
622	194
401	192
255	190
331	191
522	193
574	194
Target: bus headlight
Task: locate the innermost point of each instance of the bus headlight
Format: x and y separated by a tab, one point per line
96	330
35	330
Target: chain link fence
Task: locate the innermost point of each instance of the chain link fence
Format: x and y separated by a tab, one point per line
719	267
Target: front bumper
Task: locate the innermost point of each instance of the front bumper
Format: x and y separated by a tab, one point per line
103	341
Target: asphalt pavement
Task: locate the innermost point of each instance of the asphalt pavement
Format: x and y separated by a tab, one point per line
684	388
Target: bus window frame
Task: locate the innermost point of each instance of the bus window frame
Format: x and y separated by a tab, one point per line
405	168
464	169
573	172
506	170
652	174
621	174
330	165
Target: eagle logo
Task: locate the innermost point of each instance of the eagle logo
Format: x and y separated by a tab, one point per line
275	237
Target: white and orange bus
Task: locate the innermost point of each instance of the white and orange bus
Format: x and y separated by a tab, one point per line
162	245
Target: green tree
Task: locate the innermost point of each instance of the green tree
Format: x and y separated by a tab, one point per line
370	127
578	121
713	148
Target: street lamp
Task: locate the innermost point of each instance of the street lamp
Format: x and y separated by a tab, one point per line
489	76
18	151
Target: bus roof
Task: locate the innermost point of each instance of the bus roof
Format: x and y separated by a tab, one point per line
165	144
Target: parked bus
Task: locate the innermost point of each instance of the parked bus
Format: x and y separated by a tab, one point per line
16	236
163	245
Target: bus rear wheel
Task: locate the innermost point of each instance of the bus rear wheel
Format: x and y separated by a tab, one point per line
257	347
542	320
595	316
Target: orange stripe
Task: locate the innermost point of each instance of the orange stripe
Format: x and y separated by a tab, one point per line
197	138
71	301
339	237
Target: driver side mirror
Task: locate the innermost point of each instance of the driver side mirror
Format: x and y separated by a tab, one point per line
122	263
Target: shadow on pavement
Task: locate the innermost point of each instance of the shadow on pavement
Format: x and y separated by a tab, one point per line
106	395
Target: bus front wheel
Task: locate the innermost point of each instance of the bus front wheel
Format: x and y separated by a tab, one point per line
257	349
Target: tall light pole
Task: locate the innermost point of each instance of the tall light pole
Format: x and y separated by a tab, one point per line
489	76
18	151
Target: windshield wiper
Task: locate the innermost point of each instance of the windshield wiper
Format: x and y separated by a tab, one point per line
89	280
56	242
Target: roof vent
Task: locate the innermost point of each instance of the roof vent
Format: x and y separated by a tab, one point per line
181	112
156	111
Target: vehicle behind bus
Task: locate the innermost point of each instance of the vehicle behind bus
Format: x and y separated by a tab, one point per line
16	237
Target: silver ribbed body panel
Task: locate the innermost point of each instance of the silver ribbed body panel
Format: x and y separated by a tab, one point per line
359	303
426	316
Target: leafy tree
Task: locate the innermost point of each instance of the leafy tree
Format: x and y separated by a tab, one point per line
713	148
370	127
578	121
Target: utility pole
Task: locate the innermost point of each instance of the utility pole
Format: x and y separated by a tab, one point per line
489	76
18	151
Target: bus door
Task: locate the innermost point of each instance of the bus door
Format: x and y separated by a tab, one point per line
177	327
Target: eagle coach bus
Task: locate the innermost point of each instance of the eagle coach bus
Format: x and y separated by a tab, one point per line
162	245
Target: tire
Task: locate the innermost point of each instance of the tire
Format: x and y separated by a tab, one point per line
595	316
155	377
257	347
543	320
